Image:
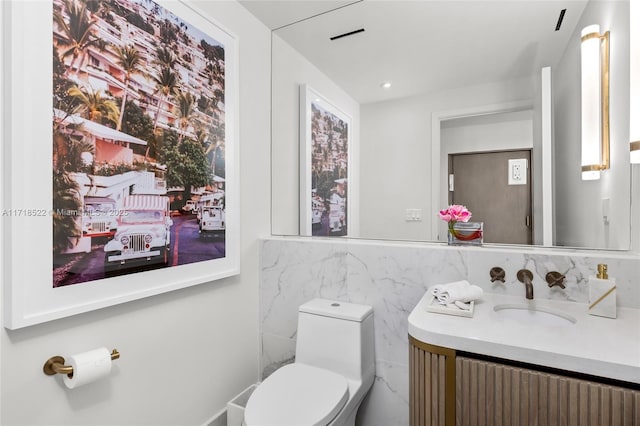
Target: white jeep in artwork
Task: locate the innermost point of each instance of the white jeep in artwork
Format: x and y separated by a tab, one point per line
144	232
215	199
317	209
337	213
99	217
212	220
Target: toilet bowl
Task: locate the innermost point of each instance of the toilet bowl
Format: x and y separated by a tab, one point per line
333	370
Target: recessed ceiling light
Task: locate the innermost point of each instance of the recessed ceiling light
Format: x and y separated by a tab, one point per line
385	84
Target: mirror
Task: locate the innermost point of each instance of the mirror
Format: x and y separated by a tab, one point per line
467	77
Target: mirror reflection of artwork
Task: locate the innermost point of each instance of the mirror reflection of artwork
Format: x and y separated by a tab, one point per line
325	151
138	140
329	141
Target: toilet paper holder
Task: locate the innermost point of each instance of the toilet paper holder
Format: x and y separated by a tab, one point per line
55	365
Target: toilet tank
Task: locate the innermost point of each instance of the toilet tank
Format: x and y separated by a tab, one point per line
337	336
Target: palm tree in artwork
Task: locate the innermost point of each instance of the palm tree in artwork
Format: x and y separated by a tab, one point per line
66	197
216	147
186	103
131	61
77	32
214	73
67	155
94	105
166	84
201	135
165	58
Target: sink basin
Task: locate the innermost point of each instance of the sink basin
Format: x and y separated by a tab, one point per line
533	314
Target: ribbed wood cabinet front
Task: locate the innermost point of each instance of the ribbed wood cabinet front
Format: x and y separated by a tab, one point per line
431	384
488	393
447	390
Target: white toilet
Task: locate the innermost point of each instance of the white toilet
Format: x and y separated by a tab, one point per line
333	371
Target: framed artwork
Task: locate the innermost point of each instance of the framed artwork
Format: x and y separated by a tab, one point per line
325	138
121	153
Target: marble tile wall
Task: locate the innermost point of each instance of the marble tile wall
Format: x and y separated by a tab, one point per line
392	277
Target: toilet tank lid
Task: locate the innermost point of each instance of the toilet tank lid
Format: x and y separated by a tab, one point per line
337	309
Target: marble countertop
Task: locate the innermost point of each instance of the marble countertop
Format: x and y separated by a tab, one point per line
593	345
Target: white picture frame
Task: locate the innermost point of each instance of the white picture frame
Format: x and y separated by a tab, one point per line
328	217
26	158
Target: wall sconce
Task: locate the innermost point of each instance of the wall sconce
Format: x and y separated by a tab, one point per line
634	147
634	128
595	101
634	86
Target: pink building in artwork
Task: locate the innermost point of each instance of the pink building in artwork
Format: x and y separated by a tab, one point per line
110	146
99	69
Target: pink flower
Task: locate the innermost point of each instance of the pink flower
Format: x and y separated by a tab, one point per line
455	213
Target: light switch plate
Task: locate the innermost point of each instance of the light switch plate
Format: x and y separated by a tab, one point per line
518	171
413	215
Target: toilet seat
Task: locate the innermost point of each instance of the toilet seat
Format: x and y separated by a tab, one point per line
295	395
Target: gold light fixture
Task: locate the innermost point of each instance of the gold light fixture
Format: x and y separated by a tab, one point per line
634	89
634	146
595	101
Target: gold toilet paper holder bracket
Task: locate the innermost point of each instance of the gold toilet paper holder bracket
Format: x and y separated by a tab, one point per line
55	365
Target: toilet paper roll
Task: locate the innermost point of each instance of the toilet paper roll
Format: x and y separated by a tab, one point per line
88	367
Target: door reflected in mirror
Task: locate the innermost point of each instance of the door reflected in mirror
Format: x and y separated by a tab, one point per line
477	181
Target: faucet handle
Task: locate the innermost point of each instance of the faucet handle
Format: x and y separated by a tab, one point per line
555	278
497	274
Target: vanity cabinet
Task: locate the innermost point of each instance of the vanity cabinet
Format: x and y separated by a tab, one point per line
431	384
447	388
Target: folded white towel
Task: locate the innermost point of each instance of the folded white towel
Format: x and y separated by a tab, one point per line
461	305
459	292
441	288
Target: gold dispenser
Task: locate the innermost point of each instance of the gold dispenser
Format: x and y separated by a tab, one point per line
55	365
602	271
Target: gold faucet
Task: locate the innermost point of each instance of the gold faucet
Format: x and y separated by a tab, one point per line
525	276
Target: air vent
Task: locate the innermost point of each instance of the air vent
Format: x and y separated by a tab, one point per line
361	30
560	18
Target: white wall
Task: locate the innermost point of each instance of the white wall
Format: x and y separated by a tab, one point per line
184	353
578	216
290	69
493	132
396	155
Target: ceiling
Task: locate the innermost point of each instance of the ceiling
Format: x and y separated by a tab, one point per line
279	13
422	46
